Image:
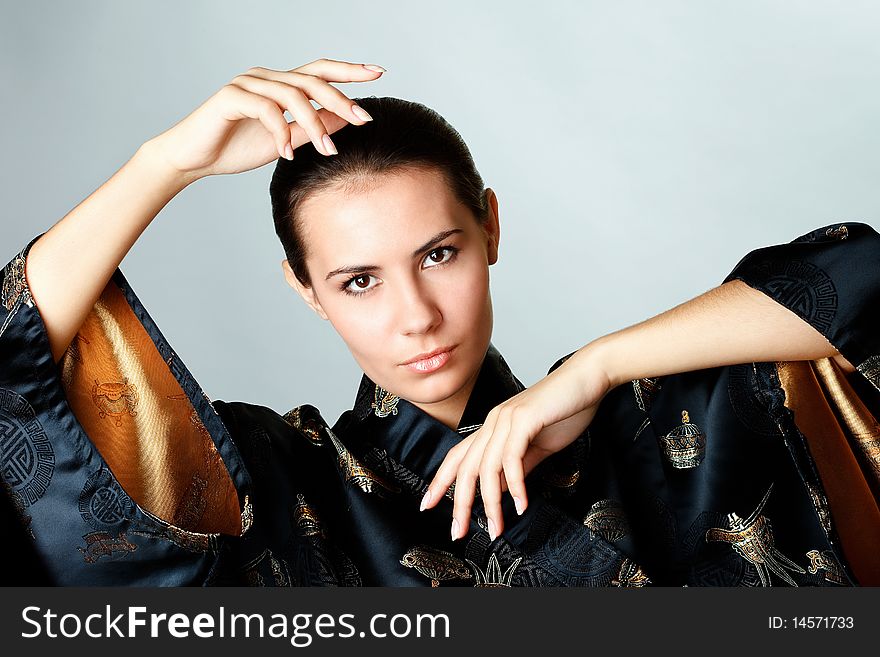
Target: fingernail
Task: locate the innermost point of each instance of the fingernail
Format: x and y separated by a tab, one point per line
518	504
329	145
374	67
491	528
455	527
425	500
361	113
288	152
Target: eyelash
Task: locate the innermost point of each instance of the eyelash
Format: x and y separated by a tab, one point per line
347	290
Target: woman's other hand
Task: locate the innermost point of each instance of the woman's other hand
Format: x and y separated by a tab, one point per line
516	436
243	127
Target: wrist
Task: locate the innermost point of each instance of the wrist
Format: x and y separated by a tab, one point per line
151	157
598	356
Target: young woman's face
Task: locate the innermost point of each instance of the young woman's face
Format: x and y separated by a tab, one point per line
402	270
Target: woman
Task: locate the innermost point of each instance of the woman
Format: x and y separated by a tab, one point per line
698	471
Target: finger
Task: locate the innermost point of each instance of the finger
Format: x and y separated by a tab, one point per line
512	463
294	101
334	70
238	103
445	474
490	474
465	489
318	90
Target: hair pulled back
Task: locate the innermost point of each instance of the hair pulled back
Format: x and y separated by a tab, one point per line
403	134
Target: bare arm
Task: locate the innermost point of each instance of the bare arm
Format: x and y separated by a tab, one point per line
239	128
730	324
69	266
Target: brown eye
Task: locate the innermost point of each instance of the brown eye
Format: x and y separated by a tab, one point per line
358	285
442	255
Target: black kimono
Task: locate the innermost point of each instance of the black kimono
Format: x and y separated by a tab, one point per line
118	470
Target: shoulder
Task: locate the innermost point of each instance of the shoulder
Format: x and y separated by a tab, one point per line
242	418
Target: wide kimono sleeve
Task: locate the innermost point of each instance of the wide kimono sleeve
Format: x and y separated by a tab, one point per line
830	278
115	467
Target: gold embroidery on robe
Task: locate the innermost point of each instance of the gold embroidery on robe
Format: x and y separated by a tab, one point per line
356	473
870	369
15	286
826	561
384	403
645	390
305	518
752	539
104	544
631	575
607	518
492	577
684	446
436	565
309	427
841	232
561	479
115	399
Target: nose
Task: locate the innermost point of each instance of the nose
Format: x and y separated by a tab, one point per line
418	311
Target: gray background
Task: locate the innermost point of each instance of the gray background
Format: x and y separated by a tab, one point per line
665	140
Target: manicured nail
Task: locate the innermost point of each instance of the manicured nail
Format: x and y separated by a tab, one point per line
425	500
518	504
288	152
361	113
329	145
491	529
374	67
455	527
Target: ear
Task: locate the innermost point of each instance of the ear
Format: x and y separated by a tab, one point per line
492	227
306	292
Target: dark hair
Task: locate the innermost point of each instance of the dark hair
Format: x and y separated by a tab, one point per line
403	134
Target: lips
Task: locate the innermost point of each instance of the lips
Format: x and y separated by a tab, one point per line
427	355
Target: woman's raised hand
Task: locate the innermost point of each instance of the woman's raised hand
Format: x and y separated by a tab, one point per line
242	126
516	436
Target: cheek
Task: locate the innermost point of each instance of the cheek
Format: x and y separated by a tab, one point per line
465	294
362	331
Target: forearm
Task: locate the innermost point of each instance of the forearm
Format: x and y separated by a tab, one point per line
730	324
69	266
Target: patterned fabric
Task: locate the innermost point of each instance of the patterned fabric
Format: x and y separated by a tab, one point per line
707	478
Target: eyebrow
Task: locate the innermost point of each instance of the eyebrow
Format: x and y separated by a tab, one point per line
356	269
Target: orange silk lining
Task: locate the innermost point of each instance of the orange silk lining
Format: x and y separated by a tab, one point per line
844	442
140	420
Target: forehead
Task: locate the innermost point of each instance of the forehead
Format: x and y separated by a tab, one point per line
392	213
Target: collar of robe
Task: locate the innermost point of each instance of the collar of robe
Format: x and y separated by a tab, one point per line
415	439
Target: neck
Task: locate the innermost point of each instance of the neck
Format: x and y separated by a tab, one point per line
449	410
